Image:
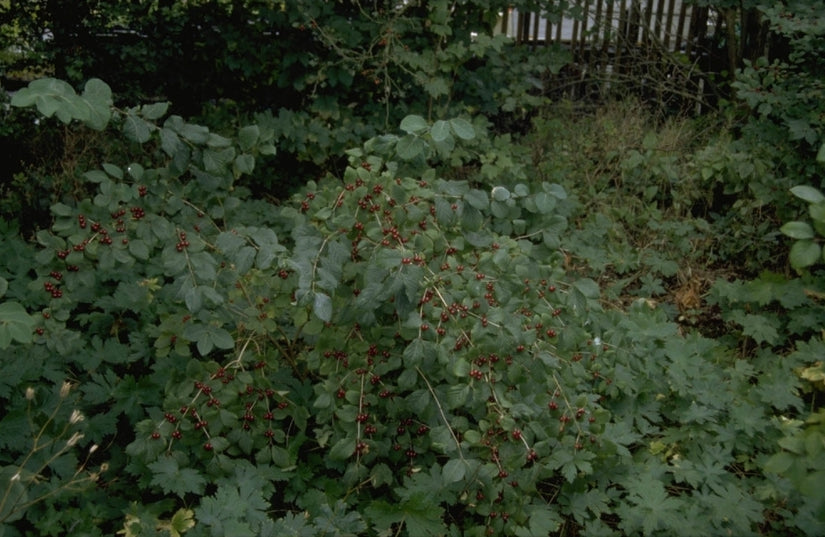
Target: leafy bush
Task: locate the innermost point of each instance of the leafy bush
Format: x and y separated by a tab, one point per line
391	351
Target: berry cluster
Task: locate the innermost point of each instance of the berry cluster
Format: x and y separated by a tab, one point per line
182	243
52	286
201	421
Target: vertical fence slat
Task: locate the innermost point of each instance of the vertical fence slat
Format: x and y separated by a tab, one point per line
680	27
583	38
608	27
648	13
598	29
558	30
671	12
660	8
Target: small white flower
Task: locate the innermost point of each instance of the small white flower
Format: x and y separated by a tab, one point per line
76	417
597	341
76	437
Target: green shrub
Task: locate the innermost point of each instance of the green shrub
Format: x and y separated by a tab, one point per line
391	351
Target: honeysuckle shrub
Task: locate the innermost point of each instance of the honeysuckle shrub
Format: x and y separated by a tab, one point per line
387	352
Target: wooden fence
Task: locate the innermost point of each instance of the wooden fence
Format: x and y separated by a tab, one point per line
669	46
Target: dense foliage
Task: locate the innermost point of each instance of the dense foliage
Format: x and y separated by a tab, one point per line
457	332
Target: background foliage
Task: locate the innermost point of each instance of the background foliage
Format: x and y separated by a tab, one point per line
460	319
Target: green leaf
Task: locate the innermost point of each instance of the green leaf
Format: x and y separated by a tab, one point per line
217	161
248	137
804	253
181	521
454	470
4	286
477	199
322	307
194	299
808	193
436	86
798	230
217	141
653	507
197	134
98	97
343	449
445	146
136	128
175	480
135	171
15	495
139	249
541	521
410	147
154	111
413	124
114	171
820	155
545	203
244	164
817	213
440	131
462	128
15	324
